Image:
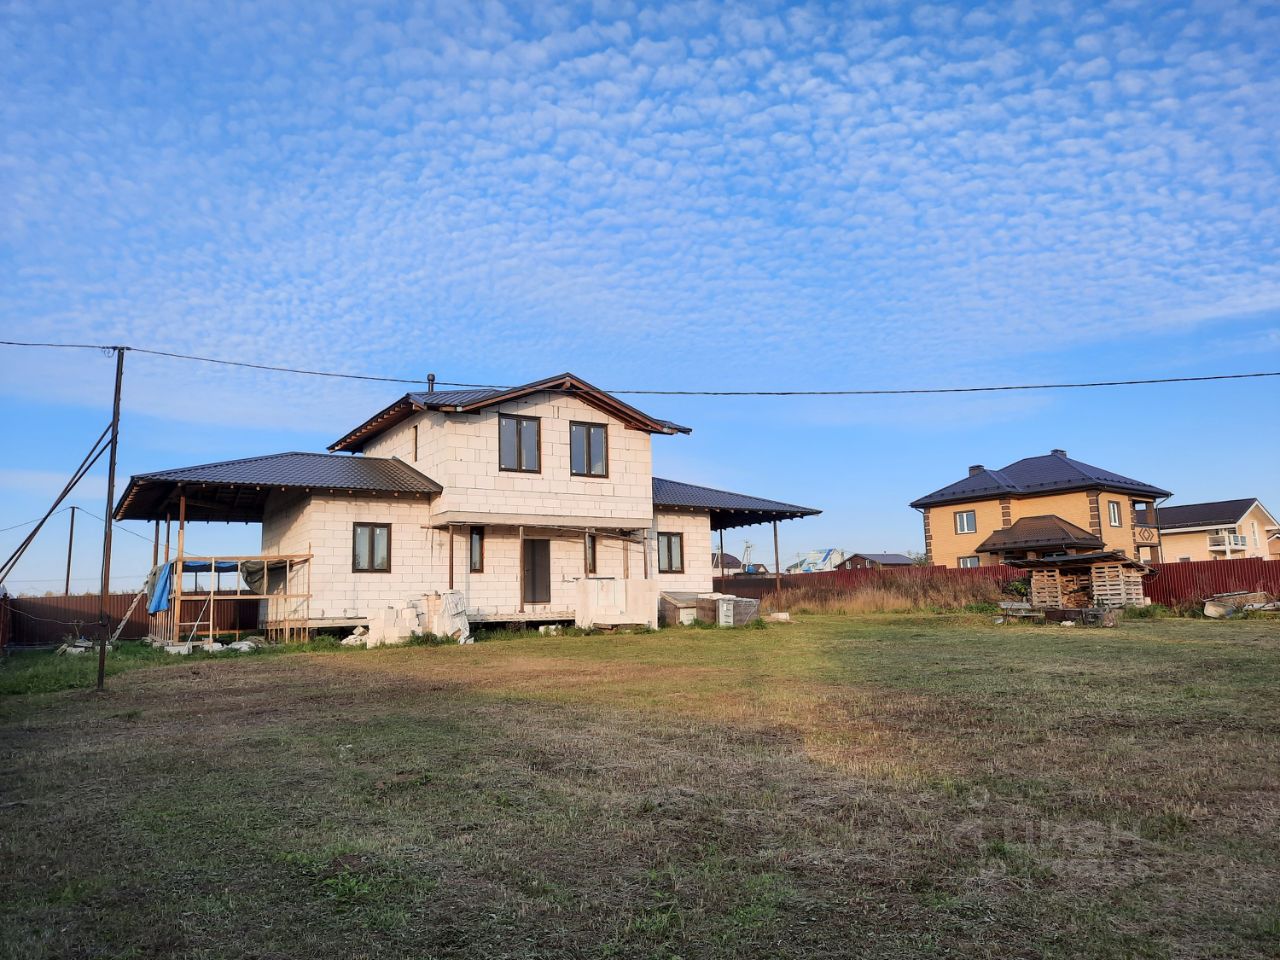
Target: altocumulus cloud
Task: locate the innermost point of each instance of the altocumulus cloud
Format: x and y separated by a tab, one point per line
813	189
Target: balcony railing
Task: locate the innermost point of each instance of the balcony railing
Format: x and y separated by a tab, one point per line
1228	541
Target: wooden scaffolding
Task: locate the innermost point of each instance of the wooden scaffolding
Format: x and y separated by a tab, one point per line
284	598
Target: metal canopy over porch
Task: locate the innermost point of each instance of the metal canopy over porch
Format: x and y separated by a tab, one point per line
237	491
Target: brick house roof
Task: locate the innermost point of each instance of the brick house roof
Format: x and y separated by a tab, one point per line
1052	473
1037	533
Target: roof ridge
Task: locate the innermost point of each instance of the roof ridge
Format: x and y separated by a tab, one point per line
221	463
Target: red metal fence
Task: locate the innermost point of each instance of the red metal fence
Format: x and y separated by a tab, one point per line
36	621
6	622
759	587
1176	583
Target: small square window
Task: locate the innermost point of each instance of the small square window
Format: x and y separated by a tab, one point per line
967	563
966	521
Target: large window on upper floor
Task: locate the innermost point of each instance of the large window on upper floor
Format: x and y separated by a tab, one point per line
588	450
966	521
520	444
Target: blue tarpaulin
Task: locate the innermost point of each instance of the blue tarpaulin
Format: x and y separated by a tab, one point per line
159	599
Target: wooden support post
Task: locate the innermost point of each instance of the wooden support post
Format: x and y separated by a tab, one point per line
177	567
106	520
520	550
213	581
167	520
721	554
777	567
71	539
307	608
626	559
155	546
451	556
288	590
644	552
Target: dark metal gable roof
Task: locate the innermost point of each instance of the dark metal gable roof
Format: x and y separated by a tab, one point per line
727	509
478	398
1053	473
1219	513
236	490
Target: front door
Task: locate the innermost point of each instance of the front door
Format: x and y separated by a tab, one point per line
537	571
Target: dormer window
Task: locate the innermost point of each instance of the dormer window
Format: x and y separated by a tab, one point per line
588	450
520	444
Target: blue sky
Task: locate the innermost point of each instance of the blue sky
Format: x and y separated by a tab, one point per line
680	195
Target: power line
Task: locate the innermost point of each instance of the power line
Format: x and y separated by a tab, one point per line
116	524
27	523
668	393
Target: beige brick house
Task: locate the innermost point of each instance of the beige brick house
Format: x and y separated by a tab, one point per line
536	503
1036	507
1220	530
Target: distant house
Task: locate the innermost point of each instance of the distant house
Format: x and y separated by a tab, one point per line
1221	530
817	561
731	564
873	561
1039	506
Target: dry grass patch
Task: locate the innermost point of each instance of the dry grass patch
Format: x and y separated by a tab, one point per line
889	787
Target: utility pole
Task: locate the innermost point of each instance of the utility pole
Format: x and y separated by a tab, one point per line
71	539
106	530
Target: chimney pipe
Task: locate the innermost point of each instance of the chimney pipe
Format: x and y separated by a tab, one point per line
1057	453
431	383
976	469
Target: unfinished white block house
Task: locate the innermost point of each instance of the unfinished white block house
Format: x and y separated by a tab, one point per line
535	504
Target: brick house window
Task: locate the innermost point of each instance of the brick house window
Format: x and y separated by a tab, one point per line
1113	512
588	450
520	444
476	559
370	547
966	521
671	553
966	563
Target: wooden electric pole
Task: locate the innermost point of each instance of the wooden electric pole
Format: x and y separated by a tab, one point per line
106	529
71	539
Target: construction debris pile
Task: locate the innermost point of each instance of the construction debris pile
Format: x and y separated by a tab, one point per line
1222	606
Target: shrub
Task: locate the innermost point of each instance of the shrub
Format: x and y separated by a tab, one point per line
430	640
983	607
1152	611
1019	588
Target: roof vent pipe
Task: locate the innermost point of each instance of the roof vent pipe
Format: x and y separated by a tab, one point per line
431	383
976	469
1057	453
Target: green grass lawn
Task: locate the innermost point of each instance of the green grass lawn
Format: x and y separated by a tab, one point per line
894	786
